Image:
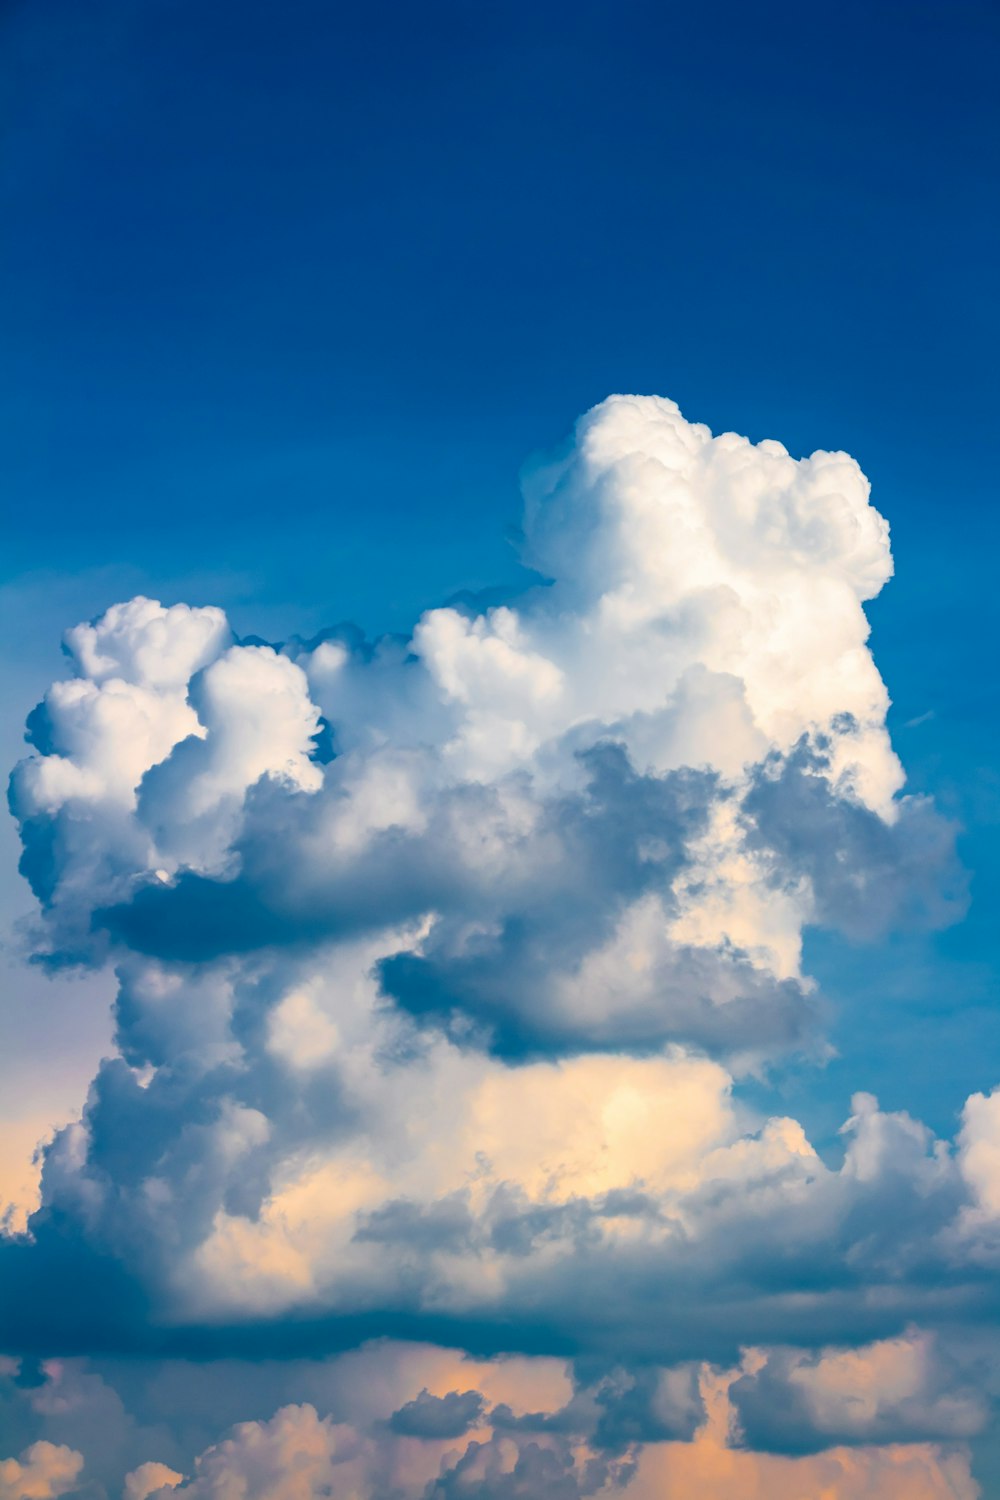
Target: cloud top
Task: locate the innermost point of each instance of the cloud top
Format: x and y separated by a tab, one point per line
440	964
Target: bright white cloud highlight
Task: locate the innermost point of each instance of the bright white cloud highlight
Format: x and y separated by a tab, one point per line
441	962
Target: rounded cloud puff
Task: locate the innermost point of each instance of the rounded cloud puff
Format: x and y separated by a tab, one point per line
440	964
43	1472
297	1455
588	803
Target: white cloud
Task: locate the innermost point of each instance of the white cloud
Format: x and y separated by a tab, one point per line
979	1150
441	960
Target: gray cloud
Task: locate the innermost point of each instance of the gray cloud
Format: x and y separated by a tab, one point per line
428	1416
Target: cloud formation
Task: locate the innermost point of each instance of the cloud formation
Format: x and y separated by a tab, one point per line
303	1452
440	964
43	1472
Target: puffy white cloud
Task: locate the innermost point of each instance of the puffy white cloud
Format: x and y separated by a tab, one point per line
977	1232
100	732
441	962
145	644
256	720
705	616
979	1150
376	1171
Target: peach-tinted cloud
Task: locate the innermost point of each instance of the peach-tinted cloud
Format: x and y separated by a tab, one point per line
43	1471
148	1478
713	1467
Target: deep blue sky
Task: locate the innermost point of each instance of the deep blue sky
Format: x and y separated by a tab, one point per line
289	291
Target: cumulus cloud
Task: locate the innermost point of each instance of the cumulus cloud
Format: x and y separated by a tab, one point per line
149	1478
537	781
294	1456
502	1427
430	1416
715	1467
894	1390
297	1454
42	1472
441	961
979	1154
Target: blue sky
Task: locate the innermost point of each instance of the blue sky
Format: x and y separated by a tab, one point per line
291	294
241	249
290	298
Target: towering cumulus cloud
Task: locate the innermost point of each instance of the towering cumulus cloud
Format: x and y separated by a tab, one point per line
440	963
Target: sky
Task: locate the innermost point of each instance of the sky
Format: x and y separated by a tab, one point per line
499	536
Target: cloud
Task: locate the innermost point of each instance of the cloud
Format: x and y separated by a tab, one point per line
43	1471
429	1416
704	620
534	1430
892	1391
714	1467
504	1469
407	1178
979	1152
148	1478
866	874
294	1456
442	962
299	1454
